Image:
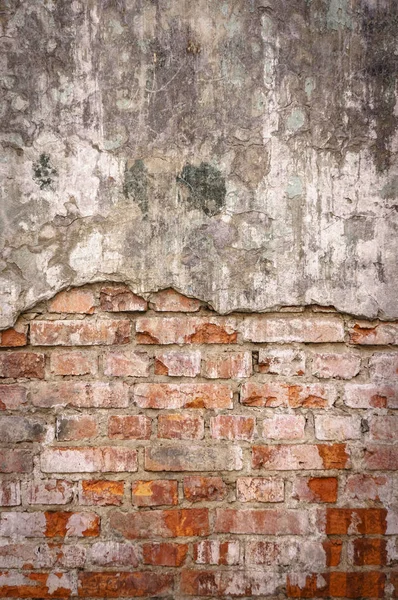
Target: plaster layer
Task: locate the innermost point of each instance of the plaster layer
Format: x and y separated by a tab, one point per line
242	152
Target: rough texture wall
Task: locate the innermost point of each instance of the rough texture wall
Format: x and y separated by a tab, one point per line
240	151
168	451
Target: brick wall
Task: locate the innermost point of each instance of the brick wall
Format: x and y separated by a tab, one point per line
163	450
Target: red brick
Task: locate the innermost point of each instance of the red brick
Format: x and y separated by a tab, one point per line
368	551
22	364
49	524
124	584
370	395
335	427
281	361
178	364
171	301
129	427
49	491
262	522
384	367
228	365
12	397
365	487
337	365
184	395
111	554
163	523
232	427
76	427
10	493
36	585
260	489
216	552
73	362
15	461
315	489
347	521
14	337
31	555
383	428
164	554
119	298
381	457
313	330
79	333
337	585
230	583
88	460
186	330
197	489
284	427
281	394
193	458
80	394
180	427
154	493
382	334
19	429
73	301
306	456
126	364
101	493
332	549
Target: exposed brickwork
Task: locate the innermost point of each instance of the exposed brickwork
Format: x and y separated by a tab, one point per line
152	448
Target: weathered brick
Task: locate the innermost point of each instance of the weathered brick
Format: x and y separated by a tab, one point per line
12	397
73	362
229	583
49	524
32	555
365	487
382	334
260	489
119	298
348	521
281	361
14	337
124	584
15	461
101	492
164	554
337	585
178	364
315	489
79	333
284	427
10	493
171	301
384	367
88	460
113	554
264	521
197	489
157	492
370	395
180	427
227	365
73	301
381	457
313	330
22	364
334	427
193	458
80	394
163	523
216	552
232	427
20	429
76	427
186	330
367	551
337	365
282	394
297	457
383	428
332	549
302	553
126	364
36	585
184	395
49	491
129	427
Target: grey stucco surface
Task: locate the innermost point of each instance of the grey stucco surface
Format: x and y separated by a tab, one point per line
240	151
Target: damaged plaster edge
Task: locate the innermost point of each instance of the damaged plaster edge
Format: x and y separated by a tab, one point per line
282	308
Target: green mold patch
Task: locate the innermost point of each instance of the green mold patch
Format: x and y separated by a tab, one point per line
44	173
135	184
204	187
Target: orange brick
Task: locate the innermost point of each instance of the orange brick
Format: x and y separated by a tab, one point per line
124	584
186	330
338	585
73	301
343	521
164	554
171	301
157	492
163	523
101	493
315	489
297	457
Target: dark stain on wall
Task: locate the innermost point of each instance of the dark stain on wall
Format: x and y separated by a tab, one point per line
204	187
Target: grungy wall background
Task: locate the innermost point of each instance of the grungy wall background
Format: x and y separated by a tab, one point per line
240	151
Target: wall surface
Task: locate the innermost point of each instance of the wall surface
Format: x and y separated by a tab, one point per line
240	151
165	451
